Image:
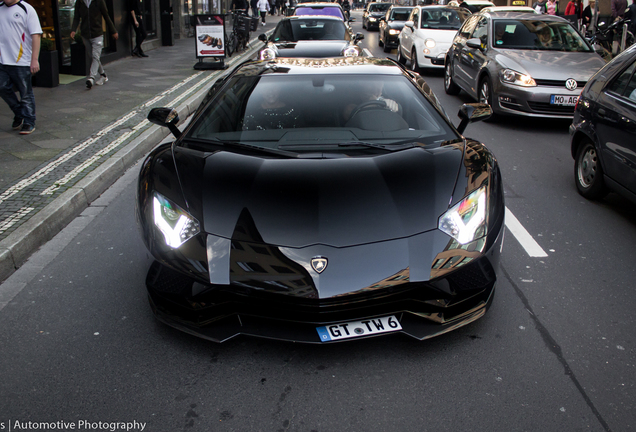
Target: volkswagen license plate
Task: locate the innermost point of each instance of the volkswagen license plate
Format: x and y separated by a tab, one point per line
567	100
355	329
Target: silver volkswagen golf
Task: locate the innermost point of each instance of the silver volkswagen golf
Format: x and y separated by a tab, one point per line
519	63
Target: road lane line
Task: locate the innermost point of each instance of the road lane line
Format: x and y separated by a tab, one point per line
523	236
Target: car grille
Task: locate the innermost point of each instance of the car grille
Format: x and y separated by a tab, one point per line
557	83
546	108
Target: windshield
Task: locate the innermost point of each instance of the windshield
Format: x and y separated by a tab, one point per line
400	14
320	112
538	35
294	30
326	10
443	18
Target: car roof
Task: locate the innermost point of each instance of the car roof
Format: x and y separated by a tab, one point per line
526	9
310	17
479	2
318	5
325	66
523	16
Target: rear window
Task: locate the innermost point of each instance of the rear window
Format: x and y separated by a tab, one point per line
310	29
327	10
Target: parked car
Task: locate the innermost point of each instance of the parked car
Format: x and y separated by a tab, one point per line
520	63
603	131
391	25
428	34
319	200
372	14
310	36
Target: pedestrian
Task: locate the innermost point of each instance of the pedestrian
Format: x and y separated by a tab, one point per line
19	52
552	7
574	12
90	13
138	26
255	12
589	16
540	7
463	4
632	15
263	7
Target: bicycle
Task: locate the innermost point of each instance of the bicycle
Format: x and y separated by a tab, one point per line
240	34
604	35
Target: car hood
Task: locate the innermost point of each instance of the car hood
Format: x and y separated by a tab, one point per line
336	202
323	48
553	65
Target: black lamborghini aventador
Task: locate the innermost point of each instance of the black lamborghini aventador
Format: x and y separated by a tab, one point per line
321	200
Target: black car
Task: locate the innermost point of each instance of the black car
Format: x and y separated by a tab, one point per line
391	25
316	200
604	131
310	36
372	14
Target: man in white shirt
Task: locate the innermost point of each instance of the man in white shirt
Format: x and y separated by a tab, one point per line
19	51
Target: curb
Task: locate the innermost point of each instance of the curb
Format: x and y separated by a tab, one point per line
17	247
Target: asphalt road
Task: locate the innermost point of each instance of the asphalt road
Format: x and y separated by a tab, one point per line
554	353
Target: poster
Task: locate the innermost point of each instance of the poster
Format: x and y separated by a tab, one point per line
209	35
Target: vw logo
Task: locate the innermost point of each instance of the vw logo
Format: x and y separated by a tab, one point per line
570	84
319	264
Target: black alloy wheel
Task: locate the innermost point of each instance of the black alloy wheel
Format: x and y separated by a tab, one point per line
449	85
588	174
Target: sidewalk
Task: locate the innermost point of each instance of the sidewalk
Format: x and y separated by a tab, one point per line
85	139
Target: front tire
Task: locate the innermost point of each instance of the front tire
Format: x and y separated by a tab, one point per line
415	67
400	57
449	85
485	96
588	173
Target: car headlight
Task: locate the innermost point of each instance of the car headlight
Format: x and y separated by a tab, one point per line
372	19
176	225
466	221
267	54
430	43
351	51
394	32
513	77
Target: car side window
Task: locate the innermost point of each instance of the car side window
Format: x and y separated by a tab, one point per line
481	31
468	27
625	84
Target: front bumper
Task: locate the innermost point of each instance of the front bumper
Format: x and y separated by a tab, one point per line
532	101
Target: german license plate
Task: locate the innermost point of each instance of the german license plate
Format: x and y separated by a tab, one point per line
567	100
353	329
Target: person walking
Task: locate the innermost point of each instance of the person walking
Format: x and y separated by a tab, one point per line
552	7
540	7
138	26
19	52
263	7
90	13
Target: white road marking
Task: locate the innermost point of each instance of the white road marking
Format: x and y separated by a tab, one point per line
11	220
523	236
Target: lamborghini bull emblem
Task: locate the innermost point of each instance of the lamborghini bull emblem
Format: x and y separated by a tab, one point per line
319	264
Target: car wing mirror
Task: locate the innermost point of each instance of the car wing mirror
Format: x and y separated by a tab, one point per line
471	113
409	24
474	43
359	37
262	37
166	117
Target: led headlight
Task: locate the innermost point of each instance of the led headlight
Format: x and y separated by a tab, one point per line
176	225
430	43
371	19
394	32
351	51
466	221
512	77
267	54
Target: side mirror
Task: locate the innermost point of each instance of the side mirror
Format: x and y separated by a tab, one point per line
409	24
359	37
471	113
262	37
165	117
474	43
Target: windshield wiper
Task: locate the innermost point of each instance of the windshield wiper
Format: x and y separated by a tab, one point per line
243	146
396	146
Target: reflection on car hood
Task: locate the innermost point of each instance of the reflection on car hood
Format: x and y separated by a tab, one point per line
322	48
337	202
553	65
